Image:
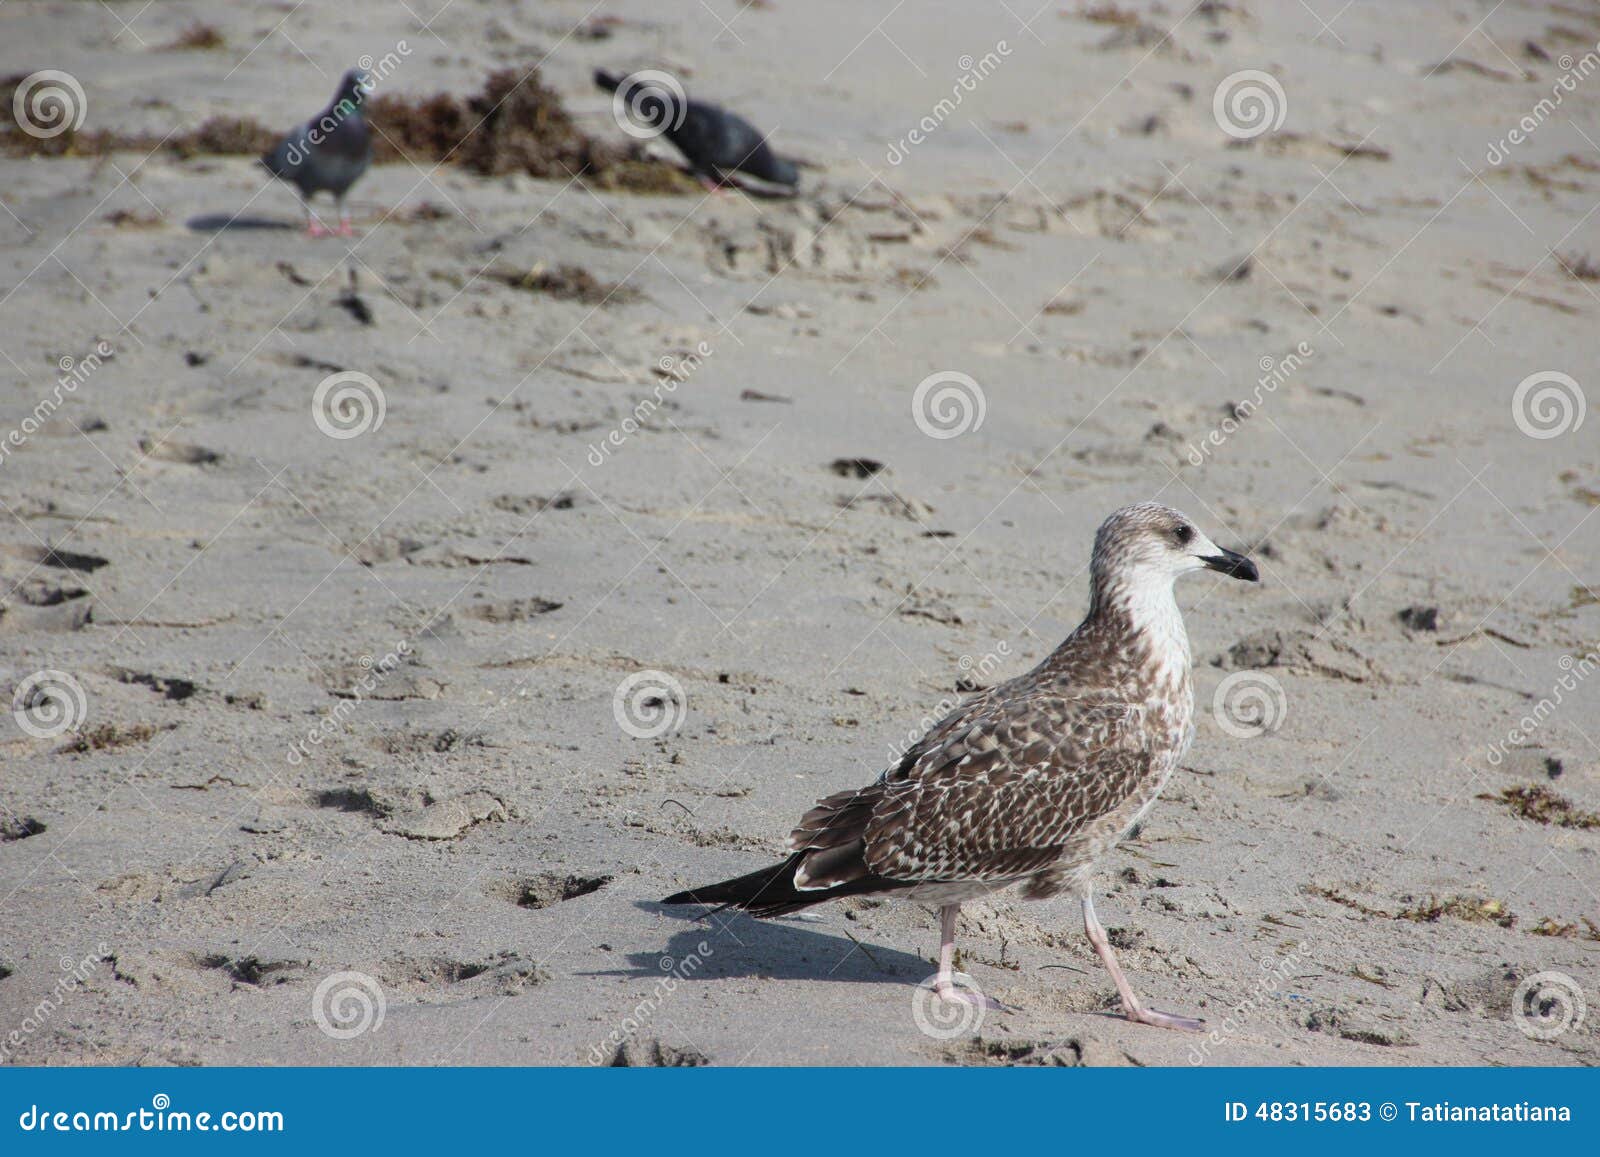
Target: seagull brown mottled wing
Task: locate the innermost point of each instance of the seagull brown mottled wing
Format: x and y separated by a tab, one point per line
1006	788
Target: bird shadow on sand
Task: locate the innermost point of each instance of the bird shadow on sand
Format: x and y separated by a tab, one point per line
727	946
231	222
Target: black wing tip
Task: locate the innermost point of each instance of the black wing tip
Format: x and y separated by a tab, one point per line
607	80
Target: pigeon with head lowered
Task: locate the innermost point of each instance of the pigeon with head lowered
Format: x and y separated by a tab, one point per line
328	153
713	140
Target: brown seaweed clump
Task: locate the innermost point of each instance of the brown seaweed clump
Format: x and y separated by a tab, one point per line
1541	805
515	124
218	136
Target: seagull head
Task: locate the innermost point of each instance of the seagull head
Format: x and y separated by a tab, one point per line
1149	545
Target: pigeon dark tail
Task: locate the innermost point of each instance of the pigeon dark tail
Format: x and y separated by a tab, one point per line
779	171
771	891
609	81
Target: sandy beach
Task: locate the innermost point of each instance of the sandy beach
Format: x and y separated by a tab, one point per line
389	622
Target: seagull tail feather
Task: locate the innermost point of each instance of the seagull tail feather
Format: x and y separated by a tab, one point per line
771	891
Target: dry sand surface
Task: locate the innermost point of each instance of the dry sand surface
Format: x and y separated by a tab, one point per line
1366	852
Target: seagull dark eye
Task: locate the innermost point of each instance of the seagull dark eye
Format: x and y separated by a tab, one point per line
1183	534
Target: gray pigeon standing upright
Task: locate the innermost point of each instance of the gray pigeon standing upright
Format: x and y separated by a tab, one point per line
713	140
329	152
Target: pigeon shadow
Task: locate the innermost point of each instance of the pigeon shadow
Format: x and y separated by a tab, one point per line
730	945
230	222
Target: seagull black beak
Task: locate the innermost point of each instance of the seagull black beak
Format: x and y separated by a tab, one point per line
1232	564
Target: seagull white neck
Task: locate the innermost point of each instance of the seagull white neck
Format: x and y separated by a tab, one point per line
1149	611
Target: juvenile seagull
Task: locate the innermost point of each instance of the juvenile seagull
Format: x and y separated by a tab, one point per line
1032	781
328	153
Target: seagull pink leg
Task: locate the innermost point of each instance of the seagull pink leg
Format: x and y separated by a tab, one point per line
1130	1003
944	984
345	228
